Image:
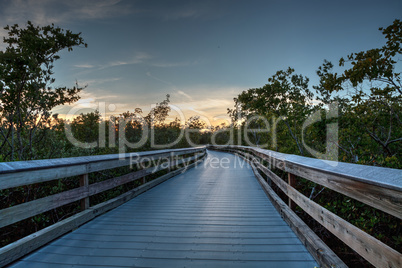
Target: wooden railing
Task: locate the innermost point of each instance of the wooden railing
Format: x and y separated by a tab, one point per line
378	187
14	174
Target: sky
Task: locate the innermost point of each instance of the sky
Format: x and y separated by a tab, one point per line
202	53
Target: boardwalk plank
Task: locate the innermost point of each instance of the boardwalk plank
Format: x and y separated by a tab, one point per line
209	216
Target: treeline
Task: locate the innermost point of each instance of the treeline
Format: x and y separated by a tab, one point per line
29	130
90	134
352	115
362	101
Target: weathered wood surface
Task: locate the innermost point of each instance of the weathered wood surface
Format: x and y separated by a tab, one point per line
25	210
34	241
29	209
386	199
378	187
84	182
385	177
99	187
210	216
373	250
291	182
14	174
321	252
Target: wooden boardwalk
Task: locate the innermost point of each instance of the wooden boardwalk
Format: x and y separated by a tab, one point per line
214	215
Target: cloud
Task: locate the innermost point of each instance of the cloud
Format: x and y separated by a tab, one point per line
204	91
118	63
96	82
210	107
84	66
184	94
44	12
100	95
173	64
182	10
160	80
96	99
85	103
206	105
182	14
143	56
139	57
212	111
95	9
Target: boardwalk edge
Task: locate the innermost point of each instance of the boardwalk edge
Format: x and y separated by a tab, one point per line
28	244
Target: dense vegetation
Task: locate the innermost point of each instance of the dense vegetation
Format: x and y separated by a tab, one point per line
366	98
363	101
353	115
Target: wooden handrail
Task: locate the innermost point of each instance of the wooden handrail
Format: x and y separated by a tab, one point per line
375	186
378	187
29	209
14	174
19	173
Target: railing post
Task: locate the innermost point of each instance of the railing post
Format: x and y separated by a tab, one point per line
170	162
269	181
144	179
173	164
84	182
292	183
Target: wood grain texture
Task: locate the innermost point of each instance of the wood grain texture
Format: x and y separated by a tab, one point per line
387	200
292	183
373	250
320	251
34	241
84	182
207	217
378	187
26	210
384	177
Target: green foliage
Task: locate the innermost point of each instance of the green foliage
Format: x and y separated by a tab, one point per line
286	98
367	91
369	99
377	64
26	95
370	96
85	127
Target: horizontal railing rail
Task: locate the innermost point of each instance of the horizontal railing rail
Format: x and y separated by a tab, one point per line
19	173
378	187
15	174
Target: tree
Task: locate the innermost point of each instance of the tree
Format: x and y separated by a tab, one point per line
378	64
159	113
155	120
372	90
194	127
286	96
26	95
85	127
